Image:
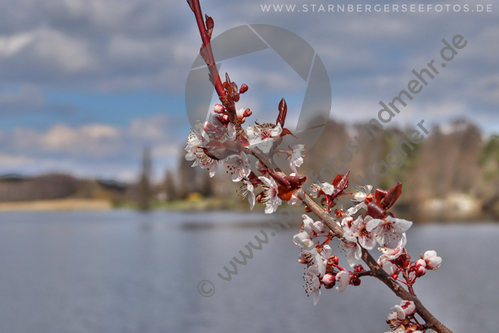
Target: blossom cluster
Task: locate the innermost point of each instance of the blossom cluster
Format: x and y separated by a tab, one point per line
360	233
368	224
214	144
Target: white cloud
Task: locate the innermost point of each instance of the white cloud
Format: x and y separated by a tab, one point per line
10	45
93	149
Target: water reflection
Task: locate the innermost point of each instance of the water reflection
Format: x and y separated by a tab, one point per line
124	271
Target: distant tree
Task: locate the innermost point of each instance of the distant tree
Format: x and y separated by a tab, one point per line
186	176
145	190
169	186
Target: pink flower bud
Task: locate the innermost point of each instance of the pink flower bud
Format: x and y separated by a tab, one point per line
333	260
420	268
219	108
243	89
247	113
329	281
433	261
409	307
225	117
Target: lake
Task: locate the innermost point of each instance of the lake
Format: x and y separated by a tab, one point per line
125	271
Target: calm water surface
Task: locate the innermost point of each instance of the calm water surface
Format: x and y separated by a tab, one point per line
123	271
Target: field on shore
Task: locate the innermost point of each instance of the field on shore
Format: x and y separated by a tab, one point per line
58	204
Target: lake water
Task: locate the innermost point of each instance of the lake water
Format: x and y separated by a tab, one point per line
123	271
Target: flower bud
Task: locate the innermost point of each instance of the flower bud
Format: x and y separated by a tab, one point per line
247	113
409	307
333	260
243	89
358	269
420	268
219	108
355	281
433	261
329	281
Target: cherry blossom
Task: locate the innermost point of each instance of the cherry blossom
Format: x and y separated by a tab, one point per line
364	192
315	190
390	268
433	261
270	198
238	166
263	136
195	141
400	320
354	252
311	227
420	267
388	230
357	229
392	254
295	157
344	278
247	190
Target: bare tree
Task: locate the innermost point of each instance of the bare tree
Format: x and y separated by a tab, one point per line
144	190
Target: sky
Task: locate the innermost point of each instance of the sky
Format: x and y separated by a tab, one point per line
85	85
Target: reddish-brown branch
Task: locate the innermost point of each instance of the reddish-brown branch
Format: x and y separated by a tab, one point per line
375	269
210	61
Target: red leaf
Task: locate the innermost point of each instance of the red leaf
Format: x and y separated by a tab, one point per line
340	184
375	210
280	180
285	131
283	110
379	195
392	196
190	4
295	181
284	193
209	22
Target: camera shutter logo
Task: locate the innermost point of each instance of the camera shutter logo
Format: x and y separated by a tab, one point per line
293	49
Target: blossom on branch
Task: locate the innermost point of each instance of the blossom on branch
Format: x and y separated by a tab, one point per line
392	254
238	166
357	229
388	230
263	136
269	196
247	190
343	278
295	157
433	261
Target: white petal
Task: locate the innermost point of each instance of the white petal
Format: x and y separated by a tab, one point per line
344	278
327	188
354	255
316	295
373	224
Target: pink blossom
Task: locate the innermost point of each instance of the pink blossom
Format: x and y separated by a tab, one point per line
433	261
344	278
388	230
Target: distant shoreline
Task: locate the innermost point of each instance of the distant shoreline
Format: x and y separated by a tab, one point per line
56	205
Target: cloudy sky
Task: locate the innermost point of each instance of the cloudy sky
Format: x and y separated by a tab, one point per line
86	84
